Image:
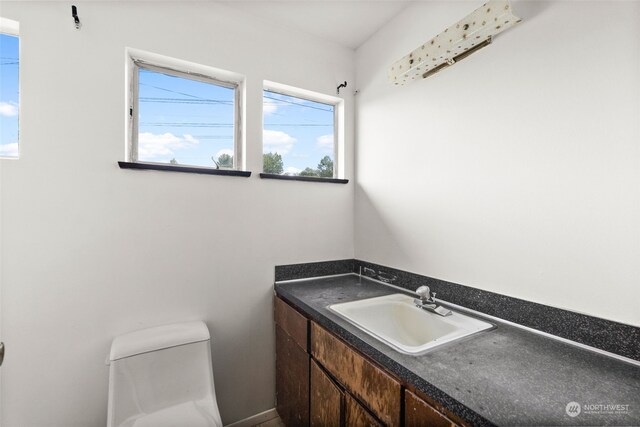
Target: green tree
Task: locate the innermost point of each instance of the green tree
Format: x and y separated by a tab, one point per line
272	163
173	161
308	172
225	161
325	167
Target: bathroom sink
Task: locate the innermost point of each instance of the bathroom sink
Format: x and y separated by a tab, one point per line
396	321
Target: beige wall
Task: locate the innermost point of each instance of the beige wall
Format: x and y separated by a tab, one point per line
91	251
515	171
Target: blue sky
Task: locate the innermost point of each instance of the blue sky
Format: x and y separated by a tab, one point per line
300	131
183	119
192	121
9	67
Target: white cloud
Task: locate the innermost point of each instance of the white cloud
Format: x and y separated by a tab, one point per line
269	107
152	145
276	141
9	150
292	171
8	109
224	151
325	142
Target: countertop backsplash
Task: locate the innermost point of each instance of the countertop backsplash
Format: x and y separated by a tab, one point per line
606	335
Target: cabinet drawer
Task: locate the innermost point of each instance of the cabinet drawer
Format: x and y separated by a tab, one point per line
326	399
417	412
292	322
356	416
369	384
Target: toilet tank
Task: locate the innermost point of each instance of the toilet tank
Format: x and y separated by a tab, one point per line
162	376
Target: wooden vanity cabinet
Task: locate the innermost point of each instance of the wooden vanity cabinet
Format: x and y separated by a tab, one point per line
331	406
293	323
292	365
322	381
376	389
419	413
355	415
326	399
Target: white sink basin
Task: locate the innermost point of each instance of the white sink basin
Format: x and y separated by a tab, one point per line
396	321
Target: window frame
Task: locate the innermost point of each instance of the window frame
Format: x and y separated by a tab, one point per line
136	64
308	95
11	28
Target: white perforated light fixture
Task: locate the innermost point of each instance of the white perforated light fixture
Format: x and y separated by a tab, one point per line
471	33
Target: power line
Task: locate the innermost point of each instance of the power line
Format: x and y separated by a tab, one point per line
172	91
198	102
179	100
297	103
205	124
297	124
182	125
212	137
205	101
202	101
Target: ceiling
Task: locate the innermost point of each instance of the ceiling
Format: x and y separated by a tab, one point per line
348	23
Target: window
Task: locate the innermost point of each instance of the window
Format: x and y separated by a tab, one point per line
184	118
9	97
300	133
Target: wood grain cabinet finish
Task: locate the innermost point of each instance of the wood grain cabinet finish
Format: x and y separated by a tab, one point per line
356	415
292	322
381	393
292	380
322	381
326	399
419	413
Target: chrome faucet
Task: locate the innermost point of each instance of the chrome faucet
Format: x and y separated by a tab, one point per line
427	302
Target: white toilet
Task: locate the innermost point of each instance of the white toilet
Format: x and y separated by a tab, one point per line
162	377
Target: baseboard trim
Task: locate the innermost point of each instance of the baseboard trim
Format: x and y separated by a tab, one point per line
253	420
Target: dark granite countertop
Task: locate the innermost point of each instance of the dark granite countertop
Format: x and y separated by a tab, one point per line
505	376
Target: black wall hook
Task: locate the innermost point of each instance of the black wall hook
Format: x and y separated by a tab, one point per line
74	14
341	86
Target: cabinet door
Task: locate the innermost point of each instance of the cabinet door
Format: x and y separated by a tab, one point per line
326	399
419	413
372	386
356	415
292	322
292	381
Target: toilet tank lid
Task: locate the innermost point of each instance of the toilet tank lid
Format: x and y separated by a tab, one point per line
157	338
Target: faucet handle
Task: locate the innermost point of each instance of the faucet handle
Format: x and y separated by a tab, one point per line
423	292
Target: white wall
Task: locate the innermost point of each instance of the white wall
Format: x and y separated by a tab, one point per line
91	251
515	171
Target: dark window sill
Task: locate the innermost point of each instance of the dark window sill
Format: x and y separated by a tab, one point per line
303	178
184	169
